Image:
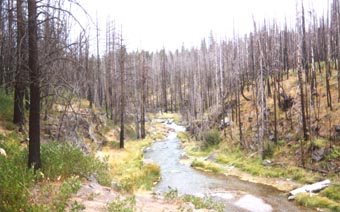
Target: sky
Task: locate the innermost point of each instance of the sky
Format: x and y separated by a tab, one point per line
154	24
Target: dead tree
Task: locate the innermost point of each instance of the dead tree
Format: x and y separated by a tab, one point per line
34	114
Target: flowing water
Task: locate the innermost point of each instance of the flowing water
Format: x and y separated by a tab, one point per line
235	194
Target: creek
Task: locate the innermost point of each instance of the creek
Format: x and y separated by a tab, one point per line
235	194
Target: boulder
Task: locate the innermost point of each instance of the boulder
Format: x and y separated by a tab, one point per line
3	152
147	161
320	154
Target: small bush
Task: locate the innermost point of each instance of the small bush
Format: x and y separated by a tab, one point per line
65	160
269	148
10	125
171	195
15	178
122	205
211	138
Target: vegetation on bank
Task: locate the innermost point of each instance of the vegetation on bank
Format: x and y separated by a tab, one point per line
198	202
65	167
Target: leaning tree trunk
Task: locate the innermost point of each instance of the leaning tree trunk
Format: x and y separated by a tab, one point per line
34	115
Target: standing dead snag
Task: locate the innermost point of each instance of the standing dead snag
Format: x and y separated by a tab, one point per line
122	93
20	75
34	115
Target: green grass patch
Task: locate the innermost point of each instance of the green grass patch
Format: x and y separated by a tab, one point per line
127	169
144	179
254	165
198	202
317	202
332	192
203	203
6	106
127	204
183	136
206	165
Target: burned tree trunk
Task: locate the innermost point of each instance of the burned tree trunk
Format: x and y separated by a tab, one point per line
34	115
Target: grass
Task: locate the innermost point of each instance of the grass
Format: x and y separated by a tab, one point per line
61	164
6	106
127	204
206	166
198	202
332	192
316	201
203	203
183	136
127	168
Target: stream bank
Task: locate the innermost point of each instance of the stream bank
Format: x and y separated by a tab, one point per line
236	195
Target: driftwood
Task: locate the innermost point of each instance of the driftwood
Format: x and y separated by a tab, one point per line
316	187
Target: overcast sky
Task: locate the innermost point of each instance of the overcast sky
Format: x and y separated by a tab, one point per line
152	24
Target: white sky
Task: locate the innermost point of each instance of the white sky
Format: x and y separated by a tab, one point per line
152	24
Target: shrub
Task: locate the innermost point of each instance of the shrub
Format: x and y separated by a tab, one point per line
211	138
64	160
269	148
15	178
69	187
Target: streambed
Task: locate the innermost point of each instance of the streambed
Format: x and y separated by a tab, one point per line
235	194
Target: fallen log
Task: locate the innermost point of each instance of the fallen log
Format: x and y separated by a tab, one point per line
316	187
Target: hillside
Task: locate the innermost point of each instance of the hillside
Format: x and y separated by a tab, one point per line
223	152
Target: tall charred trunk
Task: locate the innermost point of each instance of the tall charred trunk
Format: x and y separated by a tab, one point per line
34	114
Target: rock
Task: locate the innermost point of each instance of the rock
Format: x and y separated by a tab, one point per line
267	162
170	121
320	154
251	117
271	137
211	157
337	128
184	156
147	161
225	122
3	152
188	206
289	136
146	149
